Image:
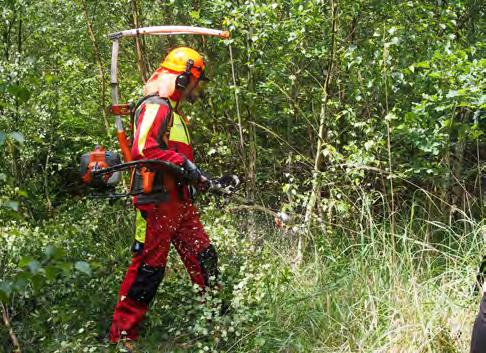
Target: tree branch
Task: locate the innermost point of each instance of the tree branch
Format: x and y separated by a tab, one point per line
99	63
6	321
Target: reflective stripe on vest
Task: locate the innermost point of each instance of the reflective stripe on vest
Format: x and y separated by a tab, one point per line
148	119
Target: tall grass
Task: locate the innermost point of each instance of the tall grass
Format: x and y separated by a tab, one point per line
374	296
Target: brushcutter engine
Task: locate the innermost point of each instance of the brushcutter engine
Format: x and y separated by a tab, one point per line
95	161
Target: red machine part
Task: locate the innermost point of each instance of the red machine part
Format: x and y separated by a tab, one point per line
97	160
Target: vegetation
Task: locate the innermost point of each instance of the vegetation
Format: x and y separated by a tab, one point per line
362	120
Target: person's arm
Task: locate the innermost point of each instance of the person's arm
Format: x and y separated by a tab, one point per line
151	124
164	155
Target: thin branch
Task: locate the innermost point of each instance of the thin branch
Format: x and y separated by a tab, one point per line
99	63
6	322
322	116
138	44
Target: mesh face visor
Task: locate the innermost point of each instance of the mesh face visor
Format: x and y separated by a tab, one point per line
203	78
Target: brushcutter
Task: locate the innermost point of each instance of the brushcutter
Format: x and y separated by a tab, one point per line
103	172
109	161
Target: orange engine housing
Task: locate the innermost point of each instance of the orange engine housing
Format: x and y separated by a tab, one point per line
96	160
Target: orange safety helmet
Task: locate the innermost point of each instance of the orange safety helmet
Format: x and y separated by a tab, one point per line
179	60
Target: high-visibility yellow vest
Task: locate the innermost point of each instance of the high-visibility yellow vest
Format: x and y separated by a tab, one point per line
179	131
140	227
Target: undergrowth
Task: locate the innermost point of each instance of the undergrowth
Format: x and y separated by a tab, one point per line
356	289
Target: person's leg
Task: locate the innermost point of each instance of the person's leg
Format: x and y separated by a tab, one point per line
195	249
478	339
145	273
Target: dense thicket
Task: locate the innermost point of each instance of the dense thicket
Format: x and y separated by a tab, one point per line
363	120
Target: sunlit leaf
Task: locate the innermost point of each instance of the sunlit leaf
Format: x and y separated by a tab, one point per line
83	267
17	136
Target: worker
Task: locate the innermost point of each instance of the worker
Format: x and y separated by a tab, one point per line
161	132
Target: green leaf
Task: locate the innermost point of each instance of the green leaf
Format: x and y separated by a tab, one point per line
52	272
37	282
83	267
22	280
5	291
20	92
17	136
34	266
54	252
66	268
195	15
24	261
22	193
423	64
2	138
410	116
260	341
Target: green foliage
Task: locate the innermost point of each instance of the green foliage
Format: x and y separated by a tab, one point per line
33	274
387	266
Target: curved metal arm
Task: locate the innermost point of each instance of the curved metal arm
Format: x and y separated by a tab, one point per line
167	30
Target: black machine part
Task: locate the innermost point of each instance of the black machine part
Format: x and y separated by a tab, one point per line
225	185
149	163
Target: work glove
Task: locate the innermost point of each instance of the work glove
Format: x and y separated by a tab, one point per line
193	174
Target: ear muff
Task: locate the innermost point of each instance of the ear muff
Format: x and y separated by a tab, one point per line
183	79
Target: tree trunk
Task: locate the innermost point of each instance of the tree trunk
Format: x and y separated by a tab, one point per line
15	151
138	43
316	184
388	141
457	166
238	113
6	322
251	111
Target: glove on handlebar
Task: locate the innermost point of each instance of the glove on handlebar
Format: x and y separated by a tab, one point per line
192	173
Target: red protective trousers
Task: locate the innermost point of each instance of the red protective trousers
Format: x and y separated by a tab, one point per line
175	222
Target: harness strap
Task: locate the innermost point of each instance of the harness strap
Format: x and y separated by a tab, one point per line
154	185
165	131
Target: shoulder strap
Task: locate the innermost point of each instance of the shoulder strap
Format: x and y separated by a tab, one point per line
134	108
153	98
164	133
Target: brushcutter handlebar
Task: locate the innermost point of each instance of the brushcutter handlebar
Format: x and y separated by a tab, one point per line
225	185
148	163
